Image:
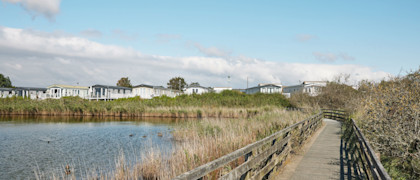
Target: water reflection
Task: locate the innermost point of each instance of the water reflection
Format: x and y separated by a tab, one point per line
48	143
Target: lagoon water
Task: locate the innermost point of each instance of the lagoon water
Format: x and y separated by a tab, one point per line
45	145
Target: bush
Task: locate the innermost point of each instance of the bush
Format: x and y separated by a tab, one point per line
389	117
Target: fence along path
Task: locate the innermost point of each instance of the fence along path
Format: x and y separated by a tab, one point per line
358	159
322	160
348	158
261	158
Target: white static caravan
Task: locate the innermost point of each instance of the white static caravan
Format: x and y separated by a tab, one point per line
312	88
145	91
162	91
32	92
58	91
265	88
26	92
105	92
8	92
194	89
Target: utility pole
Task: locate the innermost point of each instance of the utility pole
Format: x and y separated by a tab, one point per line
247	82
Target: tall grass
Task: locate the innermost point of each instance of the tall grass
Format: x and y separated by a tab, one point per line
197	143
225	104
206	140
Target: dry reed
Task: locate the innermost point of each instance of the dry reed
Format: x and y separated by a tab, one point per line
197	143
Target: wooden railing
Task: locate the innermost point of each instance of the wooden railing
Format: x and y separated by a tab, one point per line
261	158
363	162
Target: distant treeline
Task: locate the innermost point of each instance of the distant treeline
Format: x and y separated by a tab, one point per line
224	104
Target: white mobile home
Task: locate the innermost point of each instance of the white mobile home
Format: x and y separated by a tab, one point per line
8	92
32	92
265	88
148	91
26	92
162	91
195	89
312	88
105	92
144	91
58	91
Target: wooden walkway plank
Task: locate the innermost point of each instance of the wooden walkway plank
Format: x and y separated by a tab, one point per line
322	160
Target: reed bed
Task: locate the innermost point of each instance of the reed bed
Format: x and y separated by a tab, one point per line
225	104
197	143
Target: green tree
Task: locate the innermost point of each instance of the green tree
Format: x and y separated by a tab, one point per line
177	83
195	84
124	82
5	81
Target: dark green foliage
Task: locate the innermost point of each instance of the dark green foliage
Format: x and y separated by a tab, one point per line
195	84
5	82
177	83
124	82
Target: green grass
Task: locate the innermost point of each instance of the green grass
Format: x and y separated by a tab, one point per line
181	105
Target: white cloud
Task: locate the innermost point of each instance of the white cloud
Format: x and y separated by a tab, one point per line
63	61
47	8
51	43
120	34
331	57
212	51
91	33
13	66
49	58
305	37
346	57
164	38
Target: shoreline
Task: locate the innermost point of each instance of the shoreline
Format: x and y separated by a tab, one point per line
199	113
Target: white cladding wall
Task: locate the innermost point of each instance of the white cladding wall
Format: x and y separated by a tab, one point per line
310	89
196	90
7	93
57	92
150	92
26	93
108	93
264	89
143	92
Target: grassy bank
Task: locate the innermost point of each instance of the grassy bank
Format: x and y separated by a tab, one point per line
198	142
225	104
388	113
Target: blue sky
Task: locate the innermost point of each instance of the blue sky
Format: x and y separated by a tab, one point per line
367	39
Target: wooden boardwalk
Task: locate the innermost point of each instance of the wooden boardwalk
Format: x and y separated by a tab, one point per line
322	159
